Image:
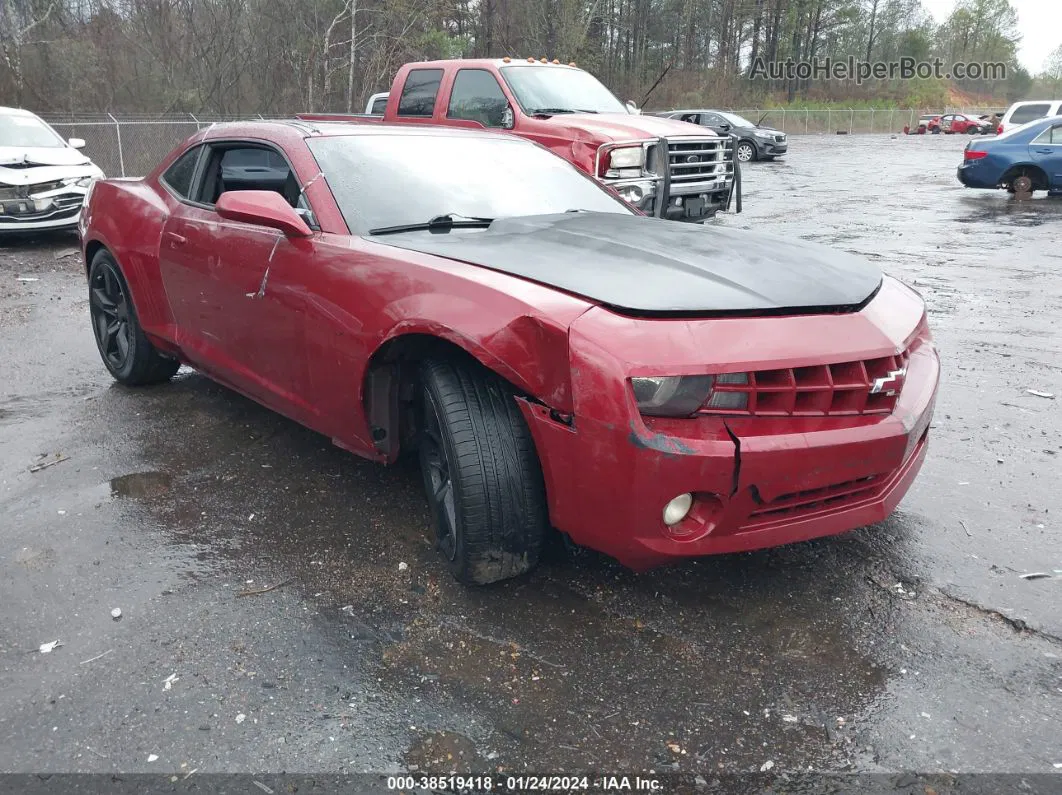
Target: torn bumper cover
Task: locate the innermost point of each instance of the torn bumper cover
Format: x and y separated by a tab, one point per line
756	481
45	205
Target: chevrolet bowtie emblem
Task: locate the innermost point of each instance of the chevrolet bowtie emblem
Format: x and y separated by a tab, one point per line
890	379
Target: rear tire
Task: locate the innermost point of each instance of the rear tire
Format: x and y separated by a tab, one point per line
481	474
125	349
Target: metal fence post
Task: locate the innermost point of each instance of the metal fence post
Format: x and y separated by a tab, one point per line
807	120
851	119
197	126
892	113
121	155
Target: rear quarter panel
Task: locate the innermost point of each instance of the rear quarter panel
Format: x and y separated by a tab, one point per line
126	217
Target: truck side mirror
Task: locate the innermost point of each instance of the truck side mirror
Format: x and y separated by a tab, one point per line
508	118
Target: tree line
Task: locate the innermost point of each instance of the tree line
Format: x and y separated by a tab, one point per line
236	57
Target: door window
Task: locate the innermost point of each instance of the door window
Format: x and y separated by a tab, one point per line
1050	136
476	96
249	167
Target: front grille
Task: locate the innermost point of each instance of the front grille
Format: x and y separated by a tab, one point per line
870	386
812	500
697	160
9	192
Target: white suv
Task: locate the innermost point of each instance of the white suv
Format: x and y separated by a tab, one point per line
1024	112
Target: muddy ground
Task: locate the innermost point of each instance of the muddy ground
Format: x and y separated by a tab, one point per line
910	645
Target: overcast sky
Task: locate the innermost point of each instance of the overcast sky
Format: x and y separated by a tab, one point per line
1039	22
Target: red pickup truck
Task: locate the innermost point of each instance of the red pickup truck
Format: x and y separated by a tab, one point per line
570	112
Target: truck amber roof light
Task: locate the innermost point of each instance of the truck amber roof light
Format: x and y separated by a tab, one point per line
571	63
530	60
543	60
555	61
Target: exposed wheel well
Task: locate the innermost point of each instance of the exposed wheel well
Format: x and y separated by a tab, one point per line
91	249
1039	178
391	386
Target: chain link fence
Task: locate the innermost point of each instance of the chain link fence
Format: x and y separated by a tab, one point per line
133	145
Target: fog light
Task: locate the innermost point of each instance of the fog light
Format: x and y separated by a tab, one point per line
632	193
676	510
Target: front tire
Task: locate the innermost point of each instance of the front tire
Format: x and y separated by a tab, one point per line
481	474
746	152
125	349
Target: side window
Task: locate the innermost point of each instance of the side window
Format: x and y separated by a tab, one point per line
1052	135
419	92
476	96
692	118
236	167
1028	113
179	175
711	119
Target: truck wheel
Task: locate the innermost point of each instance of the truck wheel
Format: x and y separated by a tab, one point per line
745	152
123	346
481	474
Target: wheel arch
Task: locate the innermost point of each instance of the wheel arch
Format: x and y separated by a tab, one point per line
390	377
1038	175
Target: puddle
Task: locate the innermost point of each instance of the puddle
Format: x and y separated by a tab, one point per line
141	485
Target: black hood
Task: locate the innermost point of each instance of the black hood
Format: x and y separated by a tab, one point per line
641	265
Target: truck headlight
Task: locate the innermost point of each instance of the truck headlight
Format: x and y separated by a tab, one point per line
671	395
627	157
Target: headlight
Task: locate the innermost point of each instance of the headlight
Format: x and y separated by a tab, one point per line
671	395
81	182
627	157
763	134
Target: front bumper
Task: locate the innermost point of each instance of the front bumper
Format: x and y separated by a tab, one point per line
49	210
757	482
670	192
772	147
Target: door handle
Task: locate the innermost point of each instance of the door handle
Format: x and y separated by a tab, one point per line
176	239
1045	151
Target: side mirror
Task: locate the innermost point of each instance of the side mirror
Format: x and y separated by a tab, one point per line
632	108
262	207
77	143
508	118
724	126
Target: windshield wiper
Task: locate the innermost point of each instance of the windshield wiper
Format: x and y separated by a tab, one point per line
440	223
555	111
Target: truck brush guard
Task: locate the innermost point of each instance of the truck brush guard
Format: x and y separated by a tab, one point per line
695	179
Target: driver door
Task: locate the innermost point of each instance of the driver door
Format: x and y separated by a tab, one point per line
226	281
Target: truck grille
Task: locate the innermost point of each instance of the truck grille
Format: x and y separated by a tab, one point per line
870	386
697	160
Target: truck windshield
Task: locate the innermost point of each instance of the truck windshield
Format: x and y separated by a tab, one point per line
557	89
382	180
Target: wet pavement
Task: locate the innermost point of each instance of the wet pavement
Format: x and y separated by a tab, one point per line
913	644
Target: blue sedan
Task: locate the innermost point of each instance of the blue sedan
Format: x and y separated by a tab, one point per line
1022	160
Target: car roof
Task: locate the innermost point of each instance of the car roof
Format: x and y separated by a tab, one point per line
303	128
472	63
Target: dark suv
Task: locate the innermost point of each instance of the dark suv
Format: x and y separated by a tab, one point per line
754	142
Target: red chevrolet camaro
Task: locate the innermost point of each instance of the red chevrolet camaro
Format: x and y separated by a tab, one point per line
654	390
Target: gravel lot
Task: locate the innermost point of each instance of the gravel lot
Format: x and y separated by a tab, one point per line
910	645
